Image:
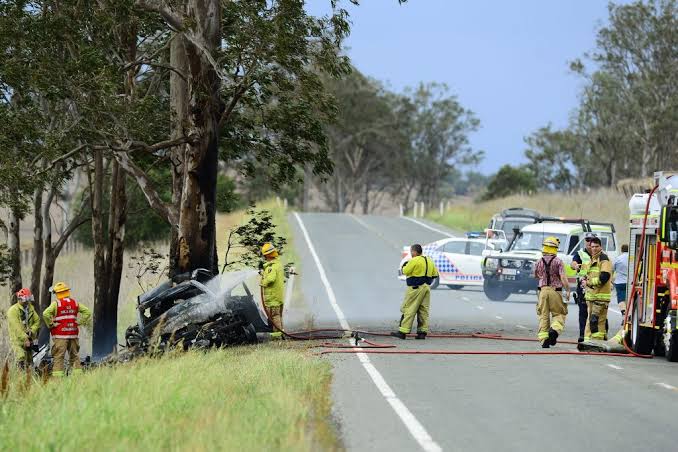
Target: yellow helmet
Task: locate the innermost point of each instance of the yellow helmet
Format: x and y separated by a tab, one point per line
61	290
550	245
268	248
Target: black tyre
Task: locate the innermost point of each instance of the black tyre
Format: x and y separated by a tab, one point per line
670	338
455	286
642	338
494	291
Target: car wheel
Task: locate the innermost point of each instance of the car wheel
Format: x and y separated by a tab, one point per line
642	338
455	286
494	291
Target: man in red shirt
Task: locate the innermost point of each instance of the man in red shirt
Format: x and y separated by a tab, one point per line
551	309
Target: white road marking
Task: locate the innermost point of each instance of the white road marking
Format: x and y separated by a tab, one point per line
465	298
480	307
498	317
615	367
521	327
376	232
415	428
665	386
424	225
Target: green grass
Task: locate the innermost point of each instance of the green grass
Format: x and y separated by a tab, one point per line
247	398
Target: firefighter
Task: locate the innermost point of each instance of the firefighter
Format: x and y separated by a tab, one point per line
273	284
62	318
23	323
551	308
420	272
598	290
580	263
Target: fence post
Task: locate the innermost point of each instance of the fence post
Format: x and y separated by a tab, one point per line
441	208
285	203
402	211
423	209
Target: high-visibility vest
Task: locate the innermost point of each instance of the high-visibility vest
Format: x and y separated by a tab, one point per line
598	292
585	263
66	319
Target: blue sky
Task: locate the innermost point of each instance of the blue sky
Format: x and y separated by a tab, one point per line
507	60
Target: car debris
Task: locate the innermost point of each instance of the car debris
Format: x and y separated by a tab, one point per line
198	310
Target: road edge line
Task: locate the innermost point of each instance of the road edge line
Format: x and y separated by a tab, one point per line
424	225
416	429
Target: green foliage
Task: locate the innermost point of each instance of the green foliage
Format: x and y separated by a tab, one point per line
143	224
510	180
550	156
245	241
227	198
625	124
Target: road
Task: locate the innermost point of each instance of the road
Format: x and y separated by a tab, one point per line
481	403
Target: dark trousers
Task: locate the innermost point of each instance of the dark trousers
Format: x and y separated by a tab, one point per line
583	311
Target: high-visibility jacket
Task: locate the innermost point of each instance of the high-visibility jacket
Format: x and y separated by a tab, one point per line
273	282
62	318
585	263
597	290
420	270
23	323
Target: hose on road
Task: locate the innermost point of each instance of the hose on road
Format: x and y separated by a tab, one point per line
376	348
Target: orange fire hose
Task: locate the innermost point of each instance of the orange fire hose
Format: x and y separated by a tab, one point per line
376	348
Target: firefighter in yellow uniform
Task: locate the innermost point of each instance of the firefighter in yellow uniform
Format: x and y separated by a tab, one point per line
23	323
62	318
273	284
551	309
420	272
598	292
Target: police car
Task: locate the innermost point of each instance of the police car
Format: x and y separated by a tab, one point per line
457	259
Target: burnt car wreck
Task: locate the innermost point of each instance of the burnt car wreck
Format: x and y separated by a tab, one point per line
198	310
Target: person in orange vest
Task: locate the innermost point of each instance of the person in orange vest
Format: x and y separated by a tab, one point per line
62	319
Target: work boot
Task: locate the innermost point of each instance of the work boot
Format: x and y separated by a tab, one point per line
581	339
399	335
553	336
421	335
545	344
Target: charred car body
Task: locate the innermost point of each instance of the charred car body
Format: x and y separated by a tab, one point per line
198	310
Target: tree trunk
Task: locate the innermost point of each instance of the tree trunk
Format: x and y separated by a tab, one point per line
197	229
14	248
100	328
50	260
366	197
36	272
179	112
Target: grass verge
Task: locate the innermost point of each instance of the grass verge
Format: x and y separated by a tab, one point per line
267	397
601	205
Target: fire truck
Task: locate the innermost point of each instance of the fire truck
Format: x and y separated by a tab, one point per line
652	287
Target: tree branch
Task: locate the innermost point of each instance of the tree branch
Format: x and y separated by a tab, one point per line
146	186
154	64
158	6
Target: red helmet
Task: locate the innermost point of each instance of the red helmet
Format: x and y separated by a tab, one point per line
25	294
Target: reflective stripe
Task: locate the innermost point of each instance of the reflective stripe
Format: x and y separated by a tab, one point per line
66	317
598	335
57	373
557	325
592	296
62	336
542	335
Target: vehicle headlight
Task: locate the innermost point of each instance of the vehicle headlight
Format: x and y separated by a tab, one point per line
491	263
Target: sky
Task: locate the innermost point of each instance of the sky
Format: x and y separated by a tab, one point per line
506	60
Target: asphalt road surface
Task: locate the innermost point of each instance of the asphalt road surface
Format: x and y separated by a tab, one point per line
446	402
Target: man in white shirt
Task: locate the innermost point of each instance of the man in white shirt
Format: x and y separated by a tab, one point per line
621	270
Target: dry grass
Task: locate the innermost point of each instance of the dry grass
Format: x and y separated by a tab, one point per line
602	205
